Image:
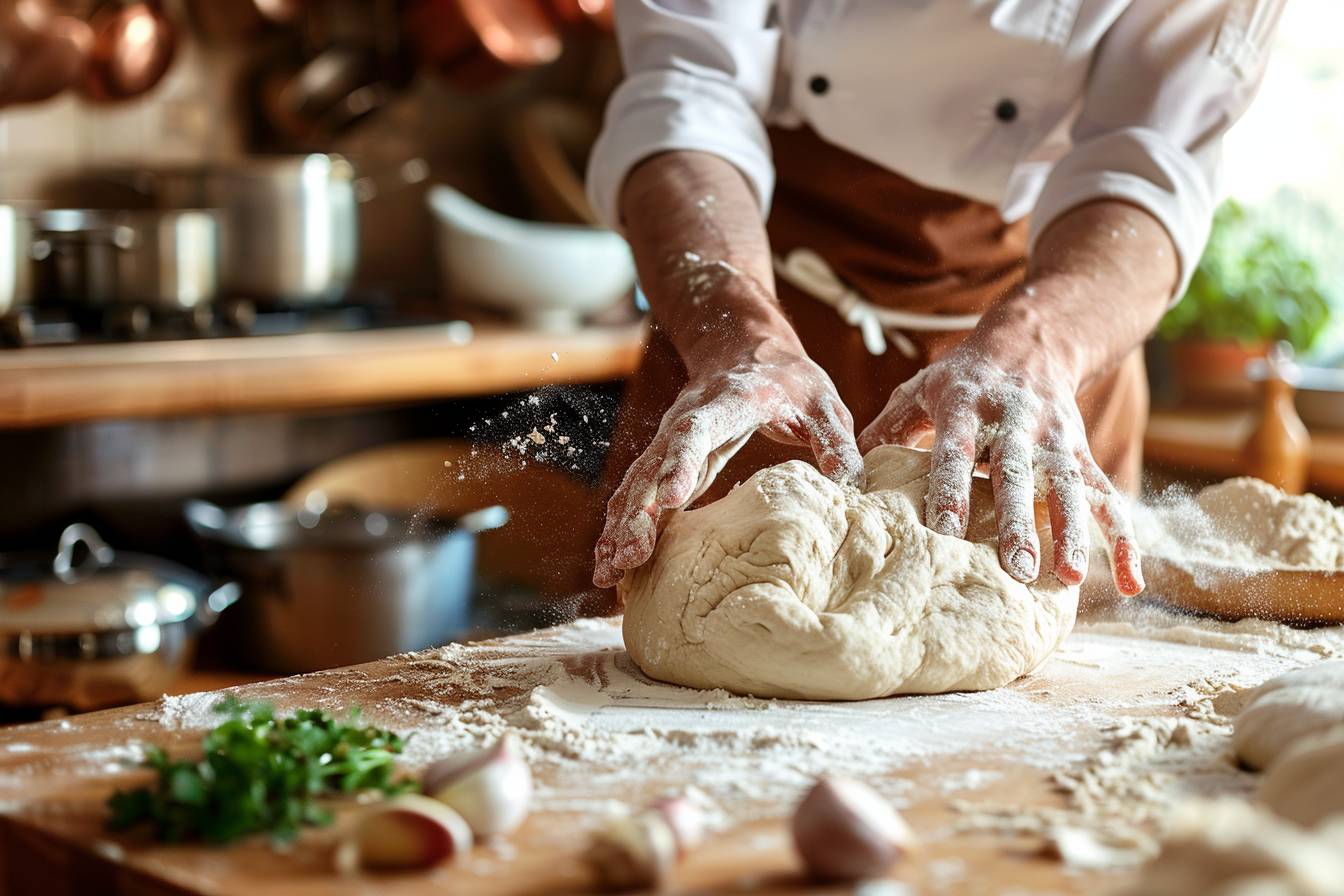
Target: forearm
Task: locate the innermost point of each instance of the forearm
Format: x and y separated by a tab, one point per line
1098	282
704	261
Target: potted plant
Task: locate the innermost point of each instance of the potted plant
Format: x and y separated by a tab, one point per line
1253	287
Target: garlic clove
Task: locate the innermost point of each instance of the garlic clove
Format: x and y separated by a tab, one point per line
685	819
406	832
633	852
491	789
843	830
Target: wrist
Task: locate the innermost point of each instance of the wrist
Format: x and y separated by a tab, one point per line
1031	331
741	323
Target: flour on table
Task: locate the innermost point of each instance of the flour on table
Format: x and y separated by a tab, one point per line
1229	848
794	586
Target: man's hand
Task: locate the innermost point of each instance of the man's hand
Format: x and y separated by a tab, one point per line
774	390
1026	424
1099	280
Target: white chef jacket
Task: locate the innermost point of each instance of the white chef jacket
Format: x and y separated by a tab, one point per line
1035	106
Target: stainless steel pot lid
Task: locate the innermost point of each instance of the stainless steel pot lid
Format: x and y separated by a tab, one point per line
271	526
89	588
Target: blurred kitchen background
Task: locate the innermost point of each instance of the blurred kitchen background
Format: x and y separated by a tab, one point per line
306	326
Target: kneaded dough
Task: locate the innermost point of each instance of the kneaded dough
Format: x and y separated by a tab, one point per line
794	586
1287	709
1306	785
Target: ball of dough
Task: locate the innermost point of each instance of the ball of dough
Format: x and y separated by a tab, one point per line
794	586
1286	709
1329	674
1306	785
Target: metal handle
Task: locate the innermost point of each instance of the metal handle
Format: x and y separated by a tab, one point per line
203	516
100	554
492	517
211	605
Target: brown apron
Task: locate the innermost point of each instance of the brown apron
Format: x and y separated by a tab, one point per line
900	245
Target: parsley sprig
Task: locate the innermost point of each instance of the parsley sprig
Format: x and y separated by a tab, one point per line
260	773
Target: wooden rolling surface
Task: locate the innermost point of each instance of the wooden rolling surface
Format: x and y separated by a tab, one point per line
52	839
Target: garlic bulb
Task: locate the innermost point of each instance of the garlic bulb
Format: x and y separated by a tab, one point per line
633	852
684	818
491	789
406	832
844	831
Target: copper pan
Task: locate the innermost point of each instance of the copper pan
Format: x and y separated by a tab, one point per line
41	53
477	43
134	46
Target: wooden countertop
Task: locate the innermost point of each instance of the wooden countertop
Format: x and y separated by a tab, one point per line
47	385
54	776
1211	441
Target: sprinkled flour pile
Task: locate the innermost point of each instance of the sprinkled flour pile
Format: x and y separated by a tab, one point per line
1244	523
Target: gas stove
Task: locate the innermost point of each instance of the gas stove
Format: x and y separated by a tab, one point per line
224	318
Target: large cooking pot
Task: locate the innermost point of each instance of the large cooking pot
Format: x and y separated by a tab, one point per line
335	586
93	627
17	249
167	260
292	223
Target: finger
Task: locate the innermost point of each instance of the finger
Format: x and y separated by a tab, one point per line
1068	524
1014	506
631	524
1112	516
687	469
902	422
947	504
831	438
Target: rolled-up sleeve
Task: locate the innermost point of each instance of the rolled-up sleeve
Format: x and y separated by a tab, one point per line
1168	79
699	76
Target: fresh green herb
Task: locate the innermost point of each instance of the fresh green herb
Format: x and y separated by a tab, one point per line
260	773
1254	284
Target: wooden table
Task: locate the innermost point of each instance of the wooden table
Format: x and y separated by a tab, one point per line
55	775
48	385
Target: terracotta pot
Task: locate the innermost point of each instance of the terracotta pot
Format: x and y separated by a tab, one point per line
1214	373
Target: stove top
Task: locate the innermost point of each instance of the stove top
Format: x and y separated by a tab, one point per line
38	326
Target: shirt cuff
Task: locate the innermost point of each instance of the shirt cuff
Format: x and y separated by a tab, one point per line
1141	166
663	110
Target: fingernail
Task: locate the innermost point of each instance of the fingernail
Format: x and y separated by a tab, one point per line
1023	564
1078	559
946	523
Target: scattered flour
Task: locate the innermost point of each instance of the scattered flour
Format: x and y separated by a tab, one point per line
1245	524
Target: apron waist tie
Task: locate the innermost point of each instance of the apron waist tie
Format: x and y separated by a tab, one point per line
809	272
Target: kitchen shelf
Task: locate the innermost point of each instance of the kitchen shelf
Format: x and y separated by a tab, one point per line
43	386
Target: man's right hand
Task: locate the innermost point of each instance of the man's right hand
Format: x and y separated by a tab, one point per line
772	388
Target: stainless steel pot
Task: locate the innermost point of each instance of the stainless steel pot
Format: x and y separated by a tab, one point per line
93	627
330	587
292	223
160	259
17	251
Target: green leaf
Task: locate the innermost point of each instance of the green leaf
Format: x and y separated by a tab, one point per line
1253	284
259	774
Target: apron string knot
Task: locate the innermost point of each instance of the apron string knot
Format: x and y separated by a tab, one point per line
806	270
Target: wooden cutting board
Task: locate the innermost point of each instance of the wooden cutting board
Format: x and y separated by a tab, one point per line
1298	596
54	777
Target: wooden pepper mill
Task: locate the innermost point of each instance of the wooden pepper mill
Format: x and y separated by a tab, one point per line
1279	448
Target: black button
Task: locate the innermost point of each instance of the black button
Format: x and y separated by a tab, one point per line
819	84
1006	111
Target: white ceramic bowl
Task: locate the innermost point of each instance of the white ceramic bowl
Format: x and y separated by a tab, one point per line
547	275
